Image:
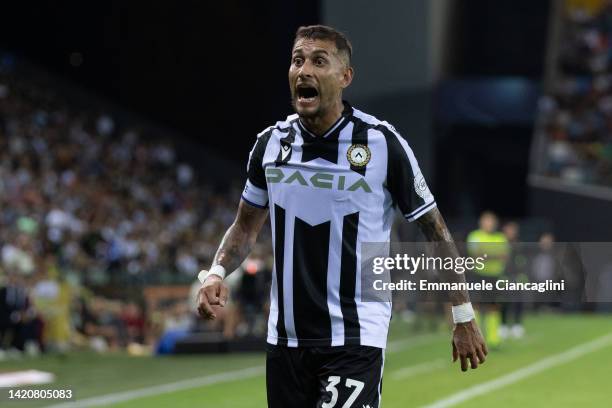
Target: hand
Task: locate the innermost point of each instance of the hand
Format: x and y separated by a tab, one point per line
212	293
468	344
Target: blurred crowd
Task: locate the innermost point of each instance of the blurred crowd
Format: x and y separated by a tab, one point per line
576	117
87	201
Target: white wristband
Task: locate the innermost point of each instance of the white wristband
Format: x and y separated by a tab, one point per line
215	270
463	313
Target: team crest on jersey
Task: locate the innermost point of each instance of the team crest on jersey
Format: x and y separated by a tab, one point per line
358	155
420	186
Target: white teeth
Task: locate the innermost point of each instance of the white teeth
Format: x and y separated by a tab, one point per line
309	99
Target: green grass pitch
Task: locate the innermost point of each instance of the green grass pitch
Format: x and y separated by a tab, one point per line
418	372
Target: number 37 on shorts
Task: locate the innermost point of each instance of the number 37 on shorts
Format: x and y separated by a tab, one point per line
354	385
324	377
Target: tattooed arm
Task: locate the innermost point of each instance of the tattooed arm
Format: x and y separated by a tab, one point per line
240	236
434	228
468	344
234	248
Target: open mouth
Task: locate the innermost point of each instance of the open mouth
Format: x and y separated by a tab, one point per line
307	93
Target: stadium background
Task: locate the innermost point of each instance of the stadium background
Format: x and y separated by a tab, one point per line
124	132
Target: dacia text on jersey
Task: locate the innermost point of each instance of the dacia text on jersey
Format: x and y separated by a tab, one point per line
318	179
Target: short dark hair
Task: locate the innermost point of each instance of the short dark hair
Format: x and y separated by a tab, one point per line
323	32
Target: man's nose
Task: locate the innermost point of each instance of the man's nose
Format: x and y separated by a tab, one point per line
305	70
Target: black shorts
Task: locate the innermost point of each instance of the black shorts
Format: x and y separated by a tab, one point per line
309	377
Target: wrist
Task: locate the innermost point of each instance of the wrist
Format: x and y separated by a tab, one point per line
211	278
463	313
215	272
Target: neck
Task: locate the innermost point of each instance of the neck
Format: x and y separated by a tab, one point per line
320	124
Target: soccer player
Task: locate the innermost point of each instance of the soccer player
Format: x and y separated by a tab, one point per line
330	177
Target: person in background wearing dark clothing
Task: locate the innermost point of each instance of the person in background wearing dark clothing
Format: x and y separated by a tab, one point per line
516	271
134	322
19	326
546	266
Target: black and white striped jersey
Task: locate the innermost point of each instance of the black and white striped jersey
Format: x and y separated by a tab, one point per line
327	195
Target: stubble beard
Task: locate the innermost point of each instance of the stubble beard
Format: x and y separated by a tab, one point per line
318	112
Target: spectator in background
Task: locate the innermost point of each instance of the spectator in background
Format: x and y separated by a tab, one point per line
134	322
517	268
254	282
177	321
107	202
19	325
18	257
544	265
576	116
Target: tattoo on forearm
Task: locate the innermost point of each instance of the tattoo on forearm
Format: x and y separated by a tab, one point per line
435	230
240	237
234	247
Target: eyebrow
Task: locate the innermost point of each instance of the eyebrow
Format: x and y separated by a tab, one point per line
299	51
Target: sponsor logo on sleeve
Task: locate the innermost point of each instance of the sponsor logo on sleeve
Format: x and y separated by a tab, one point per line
420	187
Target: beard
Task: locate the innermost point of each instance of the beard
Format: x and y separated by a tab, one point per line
307	113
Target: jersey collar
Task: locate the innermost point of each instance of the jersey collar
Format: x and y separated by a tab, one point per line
346	112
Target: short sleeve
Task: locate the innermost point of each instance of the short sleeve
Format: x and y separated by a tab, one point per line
255	190
405	182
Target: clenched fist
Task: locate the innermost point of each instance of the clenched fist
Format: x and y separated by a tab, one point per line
212	293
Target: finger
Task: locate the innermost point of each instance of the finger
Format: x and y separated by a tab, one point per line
485	349
207	314
205	309
464	362
481	354
455	354
223	295
473	360
212	294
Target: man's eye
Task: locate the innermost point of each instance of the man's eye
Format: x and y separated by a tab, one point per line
320	61
298	61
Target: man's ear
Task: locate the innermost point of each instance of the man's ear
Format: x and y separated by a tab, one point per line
347	76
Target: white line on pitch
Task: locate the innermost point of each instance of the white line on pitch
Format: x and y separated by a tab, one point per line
416	341
416	369
518	375
164	388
